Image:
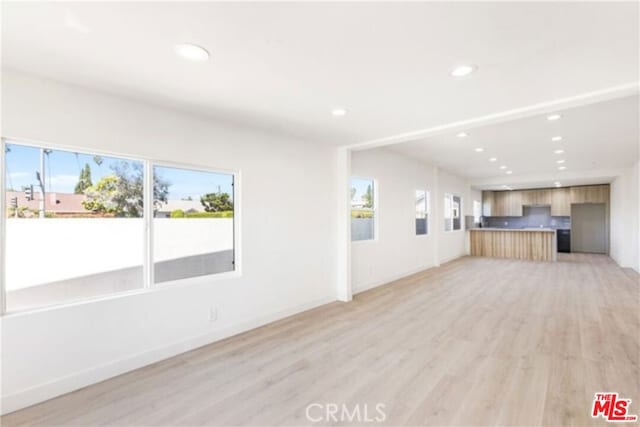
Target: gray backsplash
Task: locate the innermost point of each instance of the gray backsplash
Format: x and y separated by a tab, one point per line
533	216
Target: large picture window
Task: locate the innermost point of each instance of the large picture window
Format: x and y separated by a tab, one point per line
76	225
363	209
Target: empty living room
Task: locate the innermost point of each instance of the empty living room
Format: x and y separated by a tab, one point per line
319	213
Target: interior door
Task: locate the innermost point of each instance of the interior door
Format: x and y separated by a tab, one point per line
589	228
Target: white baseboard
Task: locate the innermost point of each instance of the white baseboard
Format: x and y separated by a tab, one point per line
453	258
365	287
40	393
623	264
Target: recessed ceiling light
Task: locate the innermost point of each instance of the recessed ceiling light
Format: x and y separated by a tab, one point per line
558	152
192	52
557	184
463	70
462	135
493	159
509	172
561	168
560	161
503	167
339	112
553	117
479	150
556	138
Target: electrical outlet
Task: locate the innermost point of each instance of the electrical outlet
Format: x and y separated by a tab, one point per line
213	314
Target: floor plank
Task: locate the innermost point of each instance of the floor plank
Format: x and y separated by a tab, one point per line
478	341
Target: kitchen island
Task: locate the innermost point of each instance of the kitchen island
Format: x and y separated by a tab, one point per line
537	244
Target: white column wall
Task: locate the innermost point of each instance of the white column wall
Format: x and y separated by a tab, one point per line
625	218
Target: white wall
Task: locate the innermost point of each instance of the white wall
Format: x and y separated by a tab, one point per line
453	244
625	218
397	251
287	211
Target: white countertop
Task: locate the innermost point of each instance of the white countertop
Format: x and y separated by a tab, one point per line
546	230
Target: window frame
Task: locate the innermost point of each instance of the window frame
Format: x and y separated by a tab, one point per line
460	210
374	209
427	212
148	280
479	205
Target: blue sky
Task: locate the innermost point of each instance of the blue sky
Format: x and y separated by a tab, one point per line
360	185
62	169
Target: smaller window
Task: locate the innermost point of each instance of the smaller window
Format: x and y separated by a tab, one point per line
477	211
363	209
452	207
422	212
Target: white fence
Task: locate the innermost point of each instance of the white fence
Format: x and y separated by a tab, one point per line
54	249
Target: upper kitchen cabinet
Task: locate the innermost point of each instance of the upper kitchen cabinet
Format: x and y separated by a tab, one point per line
507	203
528	197
510	203
488	202
590	194
537	197
561	202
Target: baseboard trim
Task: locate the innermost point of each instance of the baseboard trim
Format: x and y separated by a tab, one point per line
453	258
376	283
45	391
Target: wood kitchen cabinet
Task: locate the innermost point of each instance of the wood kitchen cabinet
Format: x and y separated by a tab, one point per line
499	203
590	194
561	202
510	203
514	203
488	203
507	203
528	197
537	197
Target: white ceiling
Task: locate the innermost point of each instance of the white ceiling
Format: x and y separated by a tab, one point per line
596	137
285	66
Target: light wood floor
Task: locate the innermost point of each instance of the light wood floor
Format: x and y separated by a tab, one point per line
479	341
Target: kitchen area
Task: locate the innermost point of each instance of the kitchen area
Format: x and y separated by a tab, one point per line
537	224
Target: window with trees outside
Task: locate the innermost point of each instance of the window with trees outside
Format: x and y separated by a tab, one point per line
452	206
363	209
78	225
422	212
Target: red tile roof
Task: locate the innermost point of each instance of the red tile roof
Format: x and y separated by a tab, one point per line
54	202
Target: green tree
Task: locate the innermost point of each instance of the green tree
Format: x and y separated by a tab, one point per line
367	198
84	181
353	192
101	197
122	193
216	202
